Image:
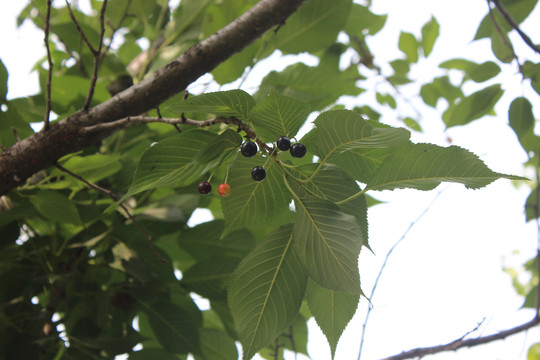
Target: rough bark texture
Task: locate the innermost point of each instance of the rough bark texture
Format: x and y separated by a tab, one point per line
39	151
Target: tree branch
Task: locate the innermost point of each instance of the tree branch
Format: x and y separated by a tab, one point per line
461	343
39	151
513	23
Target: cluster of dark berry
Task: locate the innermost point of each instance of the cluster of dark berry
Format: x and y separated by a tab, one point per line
258	173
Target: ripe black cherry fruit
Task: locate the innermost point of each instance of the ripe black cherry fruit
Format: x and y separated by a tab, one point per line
298	150
204	187
258	173
224	189
283	143
248	149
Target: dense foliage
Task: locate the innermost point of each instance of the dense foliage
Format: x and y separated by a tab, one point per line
101	238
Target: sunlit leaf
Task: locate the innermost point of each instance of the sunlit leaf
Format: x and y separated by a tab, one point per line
520	115
279	115
328	241
473	107
266	291
430	33
232	103
409	45
170	163
425	166
332	310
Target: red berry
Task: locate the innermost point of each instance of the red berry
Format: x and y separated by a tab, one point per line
224	189
204	187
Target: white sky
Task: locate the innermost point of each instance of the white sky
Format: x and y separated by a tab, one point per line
446	277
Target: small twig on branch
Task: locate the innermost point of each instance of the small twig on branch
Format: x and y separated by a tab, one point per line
111	195
461	343
118	124
50	65
97	57
501	33
516	27
80	30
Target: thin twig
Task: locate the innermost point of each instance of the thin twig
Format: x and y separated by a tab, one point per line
111	195
80	30
513	23
461	343
97	57
49	73
501	33
383	266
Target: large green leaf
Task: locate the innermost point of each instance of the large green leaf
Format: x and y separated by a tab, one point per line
334	184
174	327
473	107
313	27
430	33
209	277
254	204
342	130
328	241
3	82
216	148
409	45
169	163
266	291
56	207
360	19
332	310
279	115
232	103
518	10
217	345
520	116
425	166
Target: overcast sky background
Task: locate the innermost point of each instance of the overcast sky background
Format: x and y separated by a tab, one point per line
446	277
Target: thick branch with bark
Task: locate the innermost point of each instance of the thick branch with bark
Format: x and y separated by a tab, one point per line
41	150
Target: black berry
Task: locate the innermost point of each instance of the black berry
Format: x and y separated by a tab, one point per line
283	143
258	173
249	148
298	150
204	187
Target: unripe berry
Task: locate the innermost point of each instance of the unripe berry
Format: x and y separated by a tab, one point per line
224	189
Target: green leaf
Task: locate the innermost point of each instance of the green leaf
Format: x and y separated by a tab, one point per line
520	116
217	147
328	242
174	327
532	71
266	291
518	10
409	45
253	204
3	82
152	354
232	103
334	184
69	92
279	115
315	85
209	276
502	48
361	19
440	87
204	241
342	130
217	345
476	72
94	167
425	166
430	33
56	207
473	107
313	27
169	163
412	124
332	310
534	352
